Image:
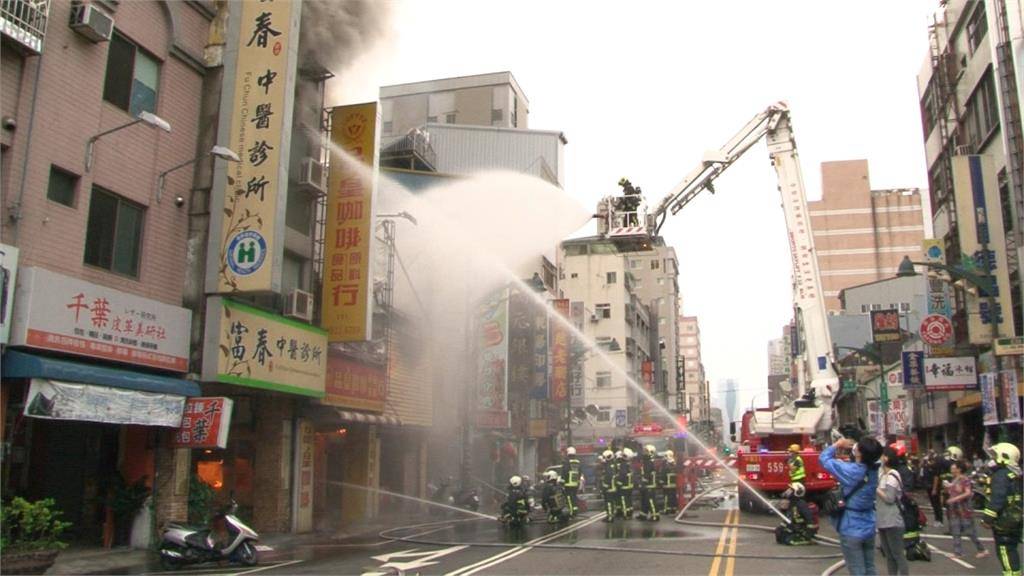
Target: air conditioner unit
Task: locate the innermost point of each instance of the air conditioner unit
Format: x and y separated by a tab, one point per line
594	318
299	305
91	22
311	174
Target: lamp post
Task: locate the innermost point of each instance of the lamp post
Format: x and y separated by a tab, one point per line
217	152
986	287
883	385
144	117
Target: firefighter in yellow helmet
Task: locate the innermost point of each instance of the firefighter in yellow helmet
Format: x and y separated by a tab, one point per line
797	473
1003	513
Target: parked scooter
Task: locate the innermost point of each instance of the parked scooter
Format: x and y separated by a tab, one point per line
227	539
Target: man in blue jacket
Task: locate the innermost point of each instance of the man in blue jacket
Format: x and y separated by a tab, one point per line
859	480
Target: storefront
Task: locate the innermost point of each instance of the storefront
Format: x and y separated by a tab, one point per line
86	412
271	367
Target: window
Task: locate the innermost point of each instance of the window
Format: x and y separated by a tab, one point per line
655	264
604	415
876	306
132	77
634	264
610	278
604	310
904	306
387	126
977	27
981	113
574	275
497	116
515	111
62	187
449	118
298	214
113	235
604	379
863	308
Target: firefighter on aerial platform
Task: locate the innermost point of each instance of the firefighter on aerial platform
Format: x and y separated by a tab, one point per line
797	474
624	482
668	483
1003	512
571	475
629	203
608	491
648	485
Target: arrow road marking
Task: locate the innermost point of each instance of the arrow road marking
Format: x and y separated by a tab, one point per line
422	559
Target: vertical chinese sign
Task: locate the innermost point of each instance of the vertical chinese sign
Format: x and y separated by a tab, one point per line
351	190
492	364
982	244
560	353
304	445
539	383
249	197
577	398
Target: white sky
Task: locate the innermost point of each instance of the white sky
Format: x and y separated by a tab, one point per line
641	89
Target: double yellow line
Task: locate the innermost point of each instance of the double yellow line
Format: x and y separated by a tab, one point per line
729	534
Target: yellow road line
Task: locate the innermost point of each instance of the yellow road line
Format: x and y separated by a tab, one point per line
721	543
730	562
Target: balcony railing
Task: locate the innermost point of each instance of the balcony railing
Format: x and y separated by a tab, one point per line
24	21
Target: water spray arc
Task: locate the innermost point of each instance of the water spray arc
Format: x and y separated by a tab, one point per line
381	491
487	260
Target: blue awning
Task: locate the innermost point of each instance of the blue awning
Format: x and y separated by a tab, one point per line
21	365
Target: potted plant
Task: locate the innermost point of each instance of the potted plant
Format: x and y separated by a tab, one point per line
30	536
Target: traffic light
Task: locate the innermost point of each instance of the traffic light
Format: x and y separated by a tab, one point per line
726	450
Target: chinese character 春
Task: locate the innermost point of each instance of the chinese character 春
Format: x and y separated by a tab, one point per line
262	352
258	152
262	30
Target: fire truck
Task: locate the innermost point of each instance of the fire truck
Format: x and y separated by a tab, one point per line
805	413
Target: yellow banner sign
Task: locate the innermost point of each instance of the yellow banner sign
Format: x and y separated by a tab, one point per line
251	347
346	307
256	112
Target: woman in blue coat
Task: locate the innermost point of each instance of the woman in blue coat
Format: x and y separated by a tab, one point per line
859	480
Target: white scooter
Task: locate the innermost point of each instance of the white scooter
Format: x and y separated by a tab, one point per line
183	545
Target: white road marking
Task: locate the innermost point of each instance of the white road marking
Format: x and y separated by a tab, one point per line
521	549
422	559
267	567
952	557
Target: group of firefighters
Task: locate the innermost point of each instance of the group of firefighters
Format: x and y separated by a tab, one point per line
656	482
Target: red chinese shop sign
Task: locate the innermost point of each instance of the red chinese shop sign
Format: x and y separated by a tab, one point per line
560	353
63	314
352	384
205	423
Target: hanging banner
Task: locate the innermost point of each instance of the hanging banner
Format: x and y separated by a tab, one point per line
885	326
353	384
539	379
520	352
8	276
957	373
347	306
250	347
305	437
246	249
577	399
53	400
492	362
205	423
913	370
1010	397
898	416
560	352
990	414
983	245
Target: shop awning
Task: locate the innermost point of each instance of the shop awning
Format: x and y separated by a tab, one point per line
364	418
968	403
22	365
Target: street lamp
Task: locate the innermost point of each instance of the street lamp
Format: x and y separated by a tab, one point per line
144	117
883	385
217	152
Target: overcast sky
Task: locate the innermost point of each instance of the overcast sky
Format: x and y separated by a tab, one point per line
642	89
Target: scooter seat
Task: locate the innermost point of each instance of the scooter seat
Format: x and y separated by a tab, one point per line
200	540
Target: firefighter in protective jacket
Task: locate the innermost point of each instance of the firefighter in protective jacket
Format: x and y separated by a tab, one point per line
648	485
667	472
571	475
1003	513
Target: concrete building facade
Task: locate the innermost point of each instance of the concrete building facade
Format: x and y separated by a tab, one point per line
694	383
861	234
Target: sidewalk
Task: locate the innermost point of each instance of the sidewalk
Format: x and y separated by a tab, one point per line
124	560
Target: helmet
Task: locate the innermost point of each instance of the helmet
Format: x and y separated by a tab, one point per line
515	481
619	454
551	476
794	447
670	454
1006	454
649	449
607	455
628	453
570	451
798	489
954	453
670	458
901	449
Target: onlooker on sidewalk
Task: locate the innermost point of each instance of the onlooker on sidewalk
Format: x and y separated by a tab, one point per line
858	480
888	515
958	509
